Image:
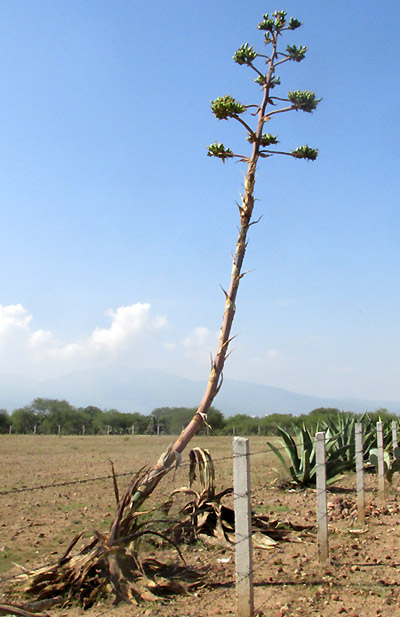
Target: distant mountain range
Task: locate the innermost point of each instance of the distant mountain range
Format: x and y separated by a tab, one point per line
145	390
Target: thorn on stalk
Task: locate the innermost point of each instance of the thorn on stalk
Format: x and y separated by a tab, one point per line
212	361
241	209
228	341
256	221
244	273
227	296
219	384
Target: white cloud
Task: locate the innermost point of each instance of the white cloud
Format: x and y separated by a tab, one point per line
129	326
15	336
125	321
40	338
28	350
265	367
198	337
135	336
269	359
13	318
200	343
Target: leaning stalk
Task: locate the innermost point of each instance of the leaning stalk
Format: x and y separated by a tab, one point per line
225	108
215	378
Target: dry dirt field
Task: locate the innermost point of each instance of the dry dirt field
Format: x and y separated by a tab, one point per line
37	524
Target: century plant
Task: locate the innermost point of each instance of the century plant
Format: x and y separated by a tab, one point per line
298	446
390	465
253	118
391	459
299	458
113	549
342	429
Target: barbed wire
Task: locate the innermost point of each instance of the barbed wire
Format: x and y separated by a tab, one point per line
181	466
24	489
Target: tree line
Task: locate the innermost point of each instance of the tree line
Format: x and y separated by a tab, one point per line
53	416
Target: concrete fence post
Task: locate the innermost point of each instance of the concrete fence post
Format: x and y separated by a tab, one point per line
360	473
381	459
322	511
394	435
243	547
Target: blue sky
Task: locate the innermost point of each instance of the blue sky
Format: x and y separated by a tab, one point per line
117	229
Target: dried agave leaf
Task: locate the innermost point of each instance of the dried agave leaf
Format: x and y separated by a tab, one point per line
203	460
120	576
186	491
214	540
72	544
263	541
219	531
206	518
202	519
115	482
43	604
147	596
226	491
168	585
13	609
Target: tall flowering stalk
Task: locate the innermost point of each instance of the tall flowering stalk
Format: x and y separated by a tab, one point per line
112	559
262	146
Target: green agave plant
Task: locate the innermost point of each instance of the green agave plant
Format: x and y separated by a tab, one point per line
391	462
299	458
342	429
390	465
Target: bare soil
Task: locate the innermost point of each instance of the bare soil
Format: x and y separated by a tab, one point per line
362	578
